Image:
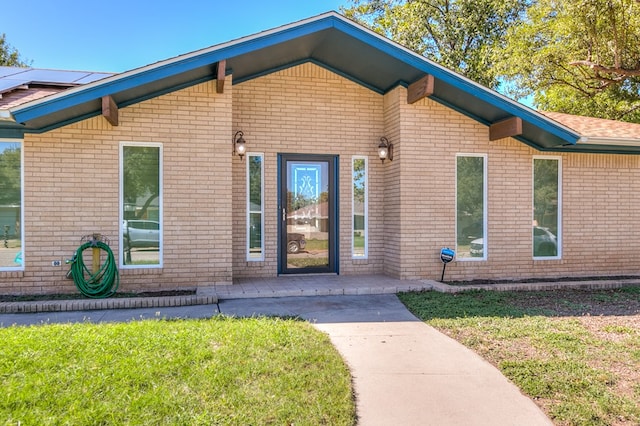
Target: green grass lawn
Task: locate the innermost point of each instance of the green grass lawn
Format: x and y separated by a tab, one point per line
165	372
581	369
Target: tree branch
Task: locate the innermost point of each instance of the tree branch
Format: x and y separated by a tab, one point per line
626	72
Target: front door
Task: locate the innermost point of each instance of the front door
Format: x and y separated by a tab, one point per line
308	212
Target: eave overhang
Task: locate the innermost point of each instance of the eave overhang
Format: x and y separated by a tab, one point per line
329	40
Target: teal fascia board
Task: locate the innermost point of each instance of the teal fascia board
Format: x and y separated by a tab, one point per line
89	94
210	56
454	79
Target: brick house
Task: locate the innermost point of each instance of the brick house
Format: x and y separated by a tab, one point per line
150	159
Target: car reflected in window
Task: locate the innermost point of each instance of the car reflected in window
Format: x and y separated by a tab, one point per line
141	233
545	244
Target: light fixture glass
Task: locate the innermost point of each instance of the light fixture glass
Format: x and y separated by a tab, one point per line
239	146
385	149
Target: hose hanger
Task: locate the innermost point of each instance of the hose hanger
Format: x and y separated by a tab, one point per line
102	280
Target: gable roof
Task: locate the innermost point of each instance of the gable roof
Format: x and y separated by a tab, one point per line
598	133
329	40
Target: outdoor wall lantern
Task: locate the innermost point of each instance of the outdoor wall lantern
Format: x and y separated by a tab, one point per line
239	144
385	149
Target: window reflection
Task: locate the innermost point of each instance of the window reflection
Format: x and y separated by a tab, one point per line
255	207
359	245
141	201
546	196
470	207
10	205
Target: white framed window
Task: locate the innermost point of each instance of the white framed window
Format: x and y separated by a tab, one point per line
547	207
471	207
360	207
11	205
141	217
255	206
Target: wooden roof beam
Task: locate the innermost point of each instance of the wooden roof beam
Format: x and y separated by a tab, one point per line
511	126
221	73
420	89
110	110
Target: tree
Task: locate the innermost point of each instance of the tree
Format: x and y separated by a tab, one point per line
9	56
461	35
579	57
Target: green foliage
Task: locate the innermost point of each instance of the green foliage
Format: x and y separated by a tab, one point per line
9	56
9	174
196	372
580	57
432	305
462	35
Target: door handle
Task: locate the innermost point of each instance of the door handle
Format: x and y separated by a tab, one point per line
284	215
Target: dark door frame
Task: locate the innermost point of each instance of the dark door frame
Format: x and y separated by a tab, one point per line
333	202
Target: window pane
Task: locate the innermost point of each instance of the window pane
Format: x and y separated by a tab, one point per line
10	205
255	222
359	247
470	208
141	227
255	234
255	182
545	207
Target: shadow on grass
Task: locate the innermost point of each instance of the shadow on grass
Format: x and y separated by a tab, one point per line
486	303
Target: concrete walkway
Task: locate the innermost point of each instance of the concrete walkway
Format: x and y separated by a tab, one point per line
404	371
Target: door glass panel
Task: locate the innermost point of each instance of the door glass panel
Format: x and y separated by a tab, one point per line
307	215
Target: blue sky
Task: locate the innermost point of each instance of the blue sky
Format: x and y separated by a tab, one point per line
119	35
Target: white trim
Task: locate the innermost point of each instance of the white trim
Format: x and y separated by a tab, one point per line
559	210
22	241
365	255
485	180
249	211
160	204
611	141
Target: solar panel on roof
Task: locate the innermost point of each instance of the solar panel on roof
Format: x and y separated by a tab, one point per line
9	71
94	76
14	77
54	76
10	84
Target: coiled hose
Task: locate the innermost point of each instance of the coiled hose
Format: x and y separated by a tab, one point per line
100	284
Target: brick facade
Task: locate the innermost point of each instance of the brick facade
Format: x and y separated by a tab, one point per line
71	189
71	186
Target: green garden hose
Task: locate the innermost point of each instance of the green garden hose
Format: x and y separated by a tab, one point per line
100	284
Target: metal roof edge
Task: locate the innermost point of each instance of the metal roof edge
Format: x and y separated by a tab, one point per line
609	141
208	56
148	73
488	95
